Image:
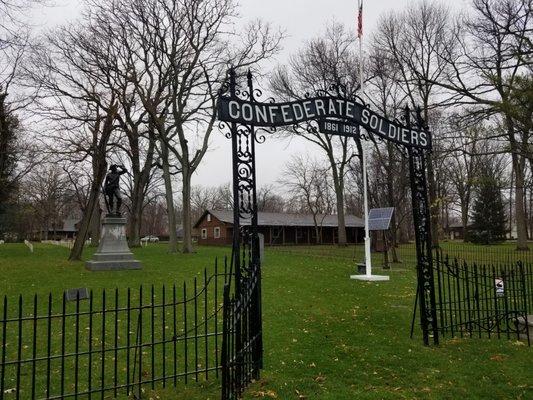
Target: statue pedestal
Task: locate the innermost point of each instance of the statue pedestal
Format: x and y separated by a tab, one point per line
113	252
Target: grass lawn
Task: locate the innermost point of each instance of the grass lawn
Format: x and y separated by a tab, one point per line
326	336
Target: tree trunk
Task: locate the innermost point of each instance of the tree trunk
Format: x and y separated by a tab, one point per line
338	182
464	220
341	218
520	213
317	230
433	203
77	248
95	225
169	196
141	179
186	218
100	140
134	231
392	201
531	202
511	204
519	170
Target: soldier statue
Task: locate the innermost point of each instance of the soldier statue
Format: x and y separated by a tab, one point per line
112	188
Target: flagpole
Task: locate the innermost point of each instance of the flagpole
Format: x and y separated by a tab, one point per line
364	148
368	256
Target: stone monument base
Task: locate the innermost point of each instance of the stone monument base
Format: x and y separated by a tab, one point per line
525	329
113	252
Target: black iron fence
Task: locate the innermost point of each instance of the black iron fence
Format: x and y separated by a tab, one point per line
406	253
487	254
242	352
483	300
119	342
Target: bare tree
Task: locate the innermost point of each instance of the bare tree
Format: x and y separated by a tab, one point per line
385	93
413	39
47	189
487	71
269	201
306	181
154	218
78	106
323	62
168	173
462	164
174	56
210	198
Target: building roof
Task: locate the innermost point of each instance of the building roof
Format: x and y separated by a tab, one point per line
284	219
69	225
458	224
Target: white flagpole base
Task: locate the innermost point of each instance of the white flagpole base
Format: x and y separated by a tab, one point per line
370	278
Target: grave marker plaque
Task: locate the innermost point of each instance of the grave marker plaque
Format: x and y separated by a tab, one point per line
72	294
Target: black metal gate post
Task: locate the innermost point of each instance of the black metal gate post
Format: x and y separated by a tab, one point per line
422	223
235	253
243	348
256	311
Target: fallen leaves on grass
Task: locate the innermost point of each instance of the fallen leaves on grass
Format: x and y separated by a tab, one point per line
498	357
265	393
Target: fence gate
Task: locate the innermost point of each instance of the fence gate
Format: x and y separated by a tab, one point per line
333	112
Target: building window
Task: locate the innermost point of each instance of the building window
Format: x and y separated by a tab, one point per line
217	232
204	233
208	217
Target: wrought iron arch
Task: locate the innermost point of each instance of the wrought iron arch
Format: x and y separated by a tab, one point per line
246	119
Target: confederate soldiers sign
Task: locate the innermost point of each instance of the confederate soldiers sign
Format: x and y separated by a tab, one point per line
320	109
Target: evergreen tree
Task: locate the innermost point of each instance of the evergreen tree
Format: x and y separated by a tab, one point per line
488	215
8	161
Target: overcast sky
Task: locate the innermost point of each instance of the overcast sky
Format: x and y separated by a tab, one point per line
301	20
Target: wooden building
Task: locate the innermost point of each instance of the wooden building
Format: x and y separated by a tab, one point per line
65	230
455	230
216	227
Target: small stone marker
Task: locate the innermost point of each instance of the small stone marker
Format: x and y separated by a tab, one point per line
72	294
525	326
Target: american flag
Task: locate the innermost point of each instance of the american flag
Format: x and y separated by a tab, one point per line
360	20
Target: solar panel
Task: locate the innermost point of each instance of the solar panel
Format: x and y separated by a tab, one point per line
379	218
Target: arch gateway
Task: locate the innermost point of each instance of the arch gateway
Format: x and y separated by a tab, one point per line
246	119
